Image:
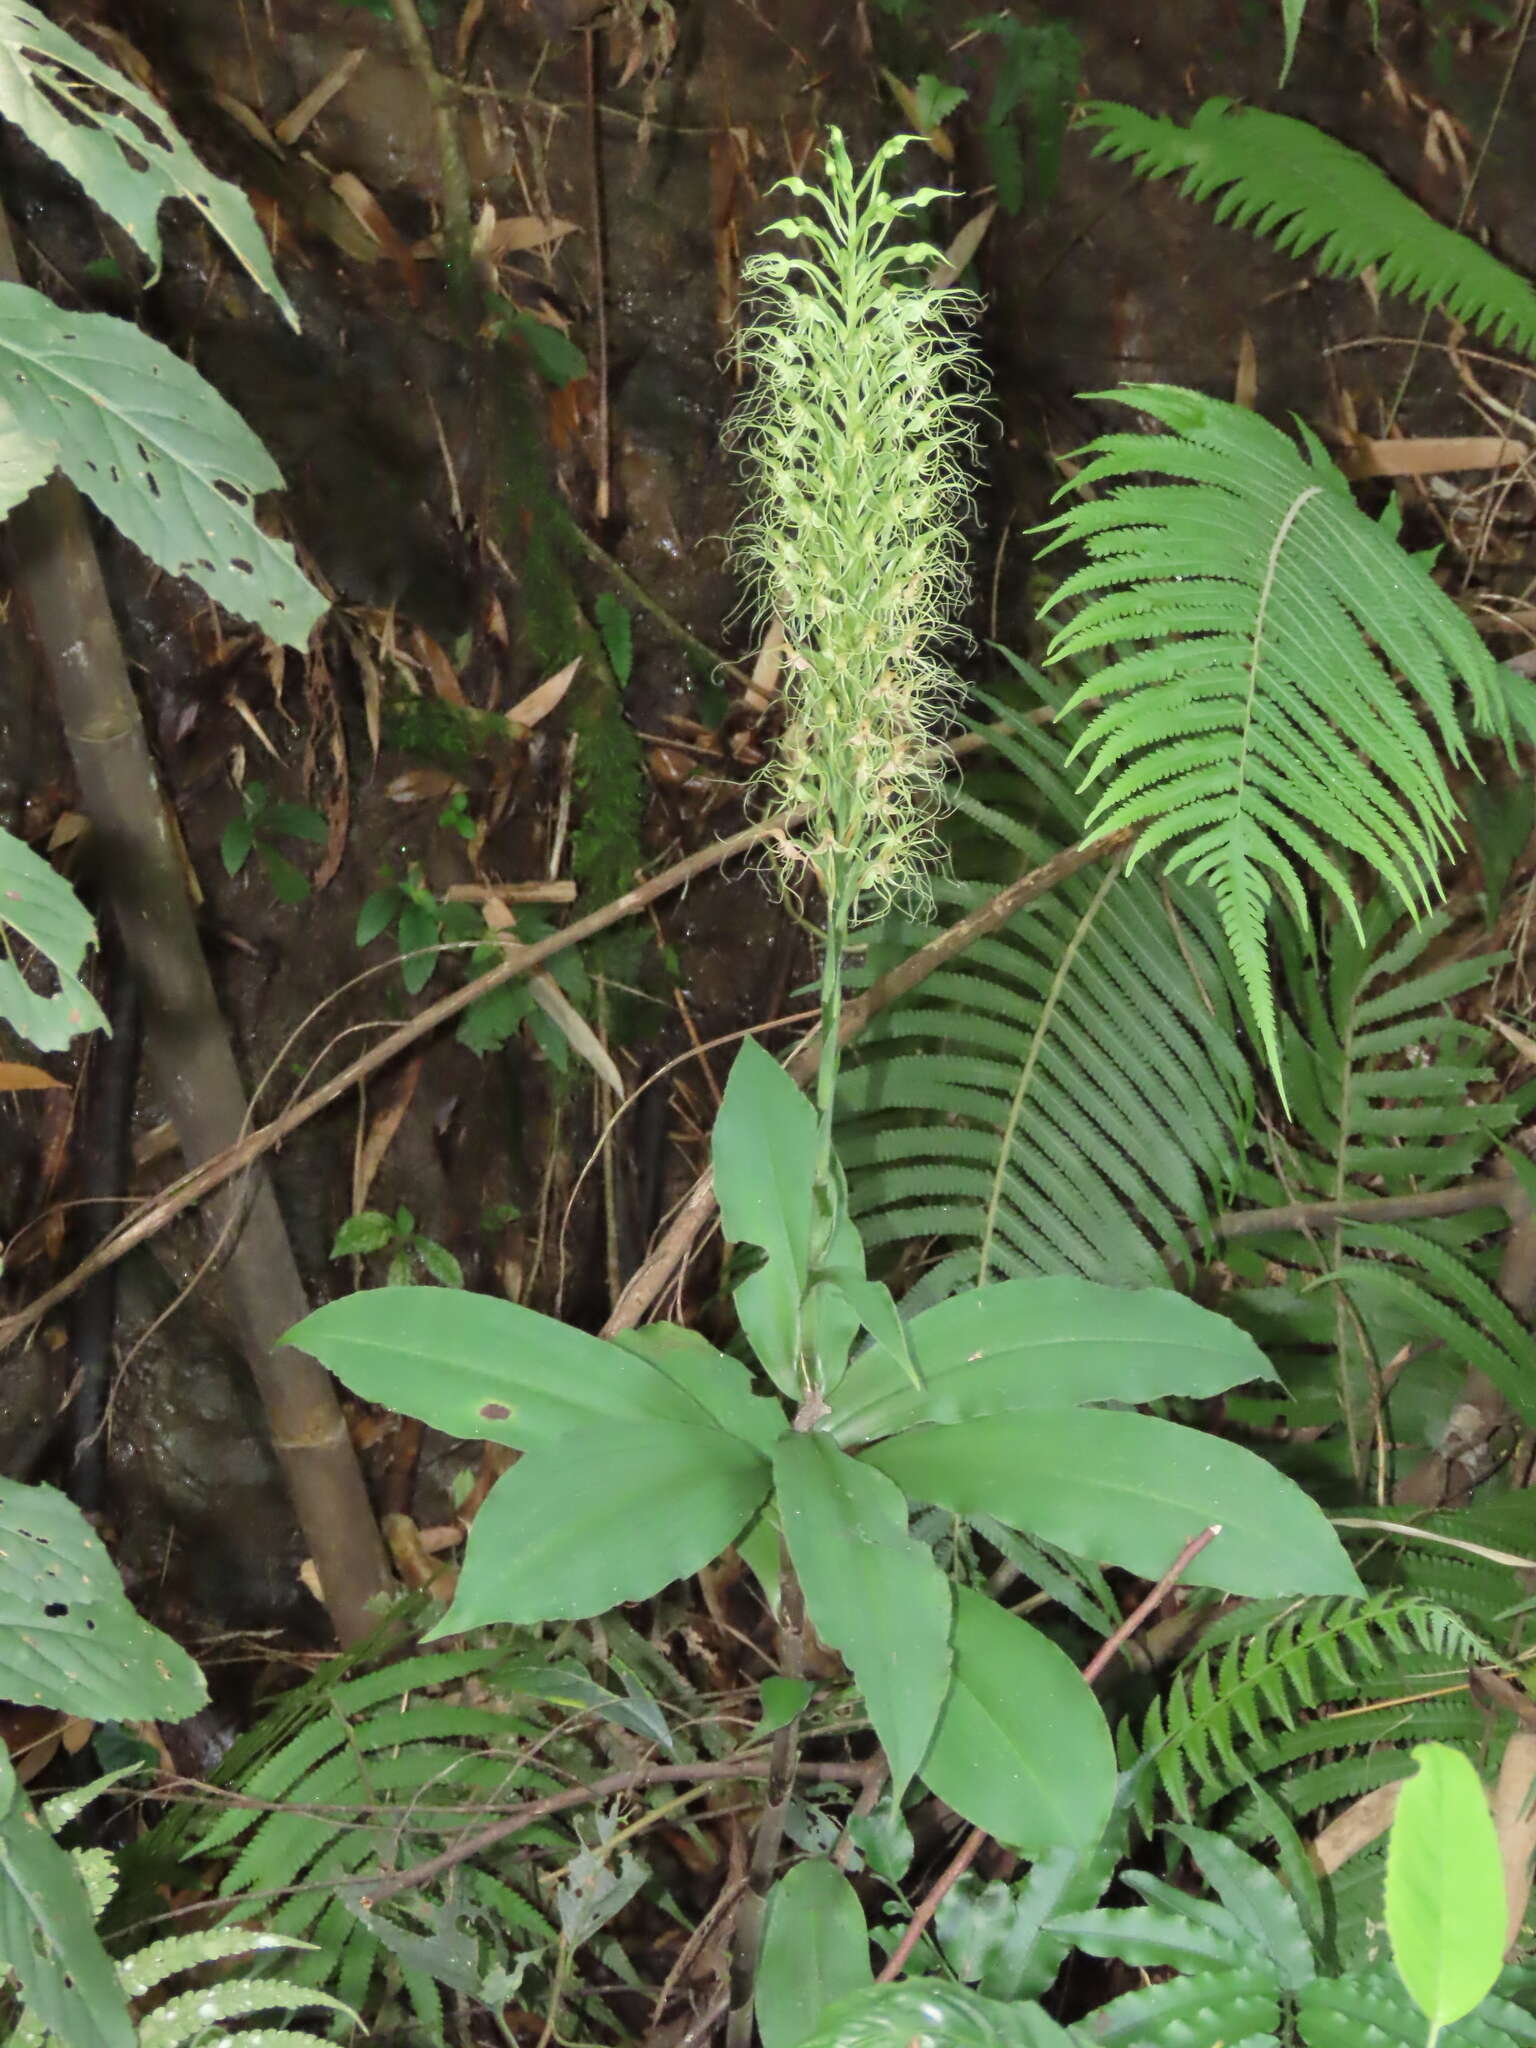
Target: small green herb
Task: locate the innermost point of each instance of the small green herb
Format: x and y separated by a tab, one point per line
261	820
372	1230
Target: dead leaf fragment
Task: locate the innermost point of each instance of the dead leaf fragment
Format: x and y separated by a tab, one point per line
1433	454
17	1076
292	126
540	702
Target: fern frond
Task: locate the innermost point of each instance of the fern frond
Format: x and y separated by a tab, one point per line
1225	1717
1392	1094
1067	1095
1261	732
1306	192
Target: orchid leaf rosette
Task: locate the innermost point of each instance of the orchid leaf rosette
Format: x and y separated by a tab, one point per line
856	434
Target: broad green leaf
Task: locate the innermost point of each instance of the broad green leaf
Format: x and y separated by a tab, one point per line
721	1385
764	1152
815	1951
40	907
157	451
1044	1343
1125	1489
601	1517
927	2012
760	1548
873	1592
115	139
1257	1901
25	462
613	625
48	1934
68	1637
471	1365
1445	1900
1021	1748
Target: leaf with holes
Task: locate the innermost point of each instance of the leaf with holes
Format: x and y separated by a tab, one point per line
157	451
40	907
115	139
68	1637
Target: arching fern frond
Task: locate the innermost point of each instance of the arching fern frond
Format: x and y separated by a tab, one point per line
1262	731
1306	192
1392	1093
1067	1095
1224	1719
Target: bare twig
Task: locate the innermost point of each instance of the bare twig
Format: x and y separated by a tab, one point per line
214	1172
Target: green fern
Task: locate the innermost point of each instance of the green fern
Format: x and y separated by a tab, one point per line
198	2017
1261	731
357	1777
1289	181
1067	1095
1392	1095
1272	1667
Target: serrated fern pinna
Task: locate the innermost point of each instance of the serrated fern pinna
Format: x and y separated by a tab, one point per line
1312	195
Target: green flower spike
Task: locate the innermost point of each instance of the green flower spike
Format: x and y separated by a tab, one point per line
860	418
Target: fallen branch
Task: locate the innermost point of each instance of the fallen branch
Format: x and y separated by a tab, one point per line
194	1187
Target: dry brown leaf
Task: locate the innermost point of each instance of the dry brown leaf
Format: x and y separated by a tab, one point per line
539	702
1245	385
1363	1821
906	99
1523	1044
244	117
247	716
382	1129
292	126
526	231
580	1036
445	680
961	250
370	215
420	785
15	1076
372	687
68	826
464	35
1433	455
767	668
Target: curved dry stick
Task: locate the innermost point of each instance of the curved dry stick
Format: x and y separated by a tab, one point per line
698	1205
214	1172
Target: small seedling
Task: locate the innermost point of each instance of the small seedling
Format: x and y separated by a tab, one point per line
455	817
423	924
261	820
371	1230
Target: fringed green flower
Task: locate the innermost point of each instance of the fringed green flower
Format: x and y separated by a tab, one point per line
856	433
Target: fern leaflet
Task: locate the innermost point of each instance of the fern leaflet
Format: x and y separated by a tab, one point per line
1289	181
1262	724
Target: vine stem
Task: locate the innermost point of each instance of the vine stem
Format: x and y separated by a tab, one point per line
966	1854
